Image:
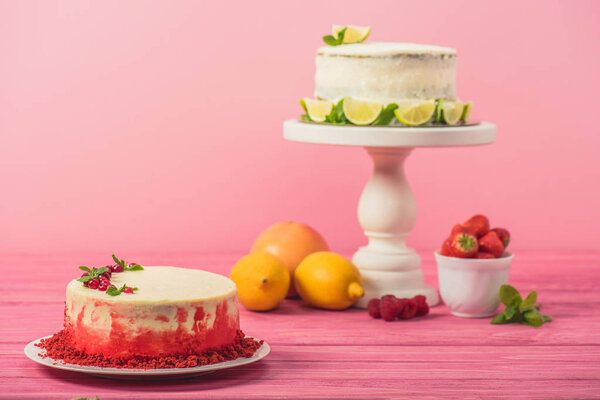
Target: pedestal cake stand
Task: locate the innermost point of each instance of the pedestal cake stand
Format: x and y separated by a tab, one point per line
387	209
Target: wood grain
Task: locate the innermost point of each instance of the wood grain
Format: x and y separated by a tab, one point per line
326	354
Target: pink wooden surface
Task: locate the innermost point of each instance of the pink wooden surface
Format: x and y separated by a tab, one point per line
322	354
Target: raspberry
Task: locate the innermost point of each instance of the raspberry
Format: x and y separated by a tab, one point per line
409	310
422	306
390	307
93	283
373	307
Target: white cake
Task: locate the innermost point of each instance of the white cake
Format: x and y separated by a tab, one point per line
385	72
174	311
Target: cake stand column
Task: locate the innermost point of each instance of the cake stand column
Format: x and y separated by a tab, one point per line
387	211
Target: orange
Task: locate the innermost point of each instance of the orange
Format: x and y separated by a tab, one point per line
291	242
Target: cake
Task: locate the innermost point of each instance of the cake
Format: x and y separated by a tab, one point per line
385	72
145	315
383	83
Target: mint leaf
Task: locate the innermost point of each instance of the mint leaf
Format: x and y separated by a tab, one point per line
331	41
337	115
340	35
85	278
134	267
102	270
546	318
499	319
113	291
509	312
509	294
116	260
386	115
84	268
305	118
529	302
438	111
533	318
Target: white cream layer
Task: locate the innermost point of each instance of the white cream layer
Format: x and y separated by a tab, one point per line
385	72
162	284
162	293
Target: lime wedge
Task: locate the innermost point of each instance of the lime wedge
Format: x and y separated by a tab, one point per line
415	113
354	34
317	110
466	111
361	112
452	111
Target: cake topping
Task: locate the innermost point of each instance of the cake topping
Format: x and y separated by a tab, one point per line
347	34
99	278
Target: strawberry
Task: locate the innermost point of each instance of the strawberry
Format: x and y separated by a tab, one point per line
478	224
490	243
446	251
463	245
461	228
483	255
503	235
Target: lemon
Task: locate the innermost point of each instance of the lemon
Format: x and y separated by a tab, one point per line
328	280
415	113
361	112
452	111
317	110
353	34
466	111
262	281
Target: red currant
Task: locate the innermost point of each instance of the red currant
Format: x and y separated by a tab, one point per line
128	290
93	283
103	285
117	268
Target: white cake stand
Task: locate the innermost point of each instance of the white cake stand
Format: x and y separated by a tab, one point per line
387	209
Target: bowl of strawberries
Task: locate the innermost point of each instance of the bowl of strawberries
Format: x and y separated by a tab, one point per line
472	265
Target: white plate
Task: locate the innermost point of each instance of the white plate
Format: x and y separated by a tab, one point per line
34	353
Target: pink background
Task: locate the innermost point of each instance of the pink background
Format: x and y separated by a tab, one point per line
156	126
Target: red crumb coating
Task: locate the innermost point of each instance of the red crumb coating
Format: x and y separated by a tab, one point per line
58	347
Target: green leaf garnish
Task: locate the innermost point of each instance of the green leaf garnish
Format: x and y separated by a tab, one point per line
331	40
438	111
499	319
85	278
519	310
84	268
529	302
305	118
507	293
113	291
386	115
134	267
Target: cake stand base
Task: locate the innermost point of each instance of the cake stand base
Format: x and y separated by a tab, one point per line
387	209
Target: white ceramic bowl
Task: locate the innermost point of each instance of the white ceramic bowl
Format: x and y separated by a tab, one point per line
469	286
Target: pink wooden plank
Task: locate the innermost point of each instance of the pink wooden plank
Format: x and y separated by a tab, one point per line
323	354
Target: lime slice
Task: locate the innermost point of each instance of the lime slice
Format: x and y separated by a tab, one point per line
354	34
415	113
317	110
361	112
452	111
466	112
